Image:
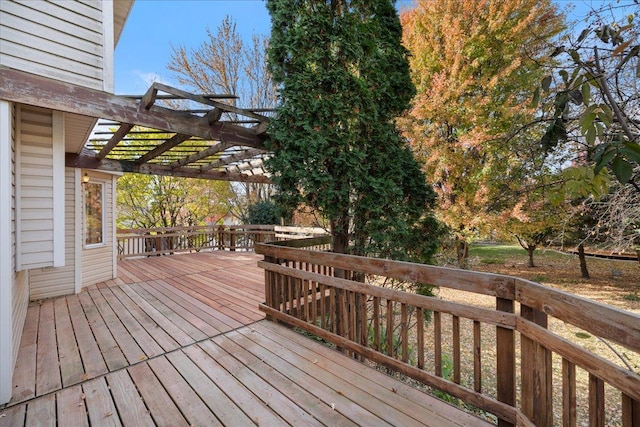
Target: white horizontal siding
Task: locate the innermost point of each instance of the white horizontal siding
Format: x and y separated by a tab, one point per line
53	282
98	262
35	188
14	296
63	40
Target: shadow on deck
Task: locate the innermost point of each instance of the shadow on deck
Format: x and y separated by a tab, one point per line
180	341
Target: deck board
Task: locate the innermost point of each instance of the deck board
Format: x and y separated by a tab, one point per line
47	360
24	375
100	405
71	368
97	347
179	340
71	407
130	405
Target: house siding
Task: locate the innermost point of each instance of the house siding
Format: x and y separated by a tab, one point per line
35	202
20	285
98	262
64	40
52	282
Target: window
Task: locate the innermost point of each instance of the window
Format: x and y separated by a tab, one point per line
94	214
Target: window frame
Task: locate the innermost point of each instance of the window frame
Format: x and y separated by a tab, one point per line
103	204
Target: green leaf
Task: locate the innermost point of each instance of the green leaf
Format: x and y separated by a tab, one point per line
586	92
622	169
631	150
546	83
603	159
575	56
587	118
590	135
536	98
576	97
605	115
564	75
584	34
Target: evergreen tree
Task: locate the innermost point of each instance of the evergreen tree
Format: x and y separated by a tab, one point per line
343	78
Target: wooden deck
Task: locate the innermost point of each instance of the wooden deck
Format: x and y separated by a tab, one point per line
179	340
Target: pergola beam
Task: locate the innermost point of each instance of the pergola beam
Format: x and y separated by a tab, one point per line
89	161
170	143
233	158
26	88
202	100
122	131
201	155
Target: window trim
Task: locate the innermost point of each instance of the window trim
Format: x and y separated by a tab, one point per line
104	215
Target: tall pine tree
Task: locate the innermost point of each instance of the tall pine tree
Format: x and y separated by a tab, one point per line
343	78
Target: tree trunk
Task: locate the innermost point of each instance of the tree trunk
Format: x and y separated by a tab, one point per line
340	236
530	250
583	262
462	252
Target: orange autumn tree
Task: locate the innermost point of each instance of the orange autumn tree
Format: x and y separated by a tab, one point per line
475	65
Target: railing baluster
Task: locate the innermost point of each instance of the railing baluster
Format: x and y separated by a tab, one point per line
404	332
376	323
630	411
420	336
455	327
390	348
323	307
506	360
437	342
536	373
569	413
477	356
596	401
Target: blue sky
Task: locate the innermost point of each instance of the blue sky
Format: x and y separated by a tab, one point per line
154	26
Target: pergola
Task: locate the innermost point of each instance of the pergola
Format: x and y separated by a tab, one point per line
216	140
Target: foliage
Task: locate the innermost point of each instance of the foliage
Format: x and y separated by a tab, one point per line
594	98
474	64
148	201
343	78
264	213
447	373
534	220
226	64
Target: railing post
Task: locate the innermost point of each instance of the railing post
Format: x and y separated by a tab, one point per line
536	373
270	294
506	360
220	237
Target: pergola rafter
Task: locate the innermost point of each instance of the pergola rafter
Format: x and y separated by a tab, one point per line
215	140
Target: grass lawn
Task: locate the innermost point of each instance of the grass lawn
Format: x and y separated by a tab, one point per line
612	281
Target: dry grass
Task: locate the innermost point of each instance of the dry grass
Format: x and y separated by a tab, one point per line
615	283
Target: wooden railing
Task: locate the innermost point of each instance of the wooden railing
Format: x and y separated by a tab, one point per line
171	240
514	367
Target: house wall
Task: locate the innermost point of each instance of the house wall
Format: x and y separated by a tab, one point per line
99	263
14	295
40	188
51	282
68	40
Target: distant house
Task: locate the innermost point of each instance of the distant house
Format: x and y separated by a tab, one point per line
56	230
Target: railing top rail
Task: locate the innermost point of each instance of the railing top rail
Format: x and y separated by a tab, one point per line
194	227
608	322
